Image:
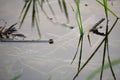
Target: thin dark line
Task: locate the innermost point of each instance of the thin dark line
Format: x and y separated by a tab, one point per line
29	41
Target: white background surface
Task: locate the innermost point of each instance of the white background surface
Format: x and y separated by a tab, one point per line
40	61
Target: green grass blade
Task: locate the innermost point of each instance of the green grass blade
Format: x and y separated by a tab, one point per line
44	12
71	6
110	64
41	5
79	17
113	25
105	5
90	77
37	12
16	77
79	25
106	66
80	56
65	10
37	26
60	5
33	13
79	22
51	9
42	2
108	9
23	9
103	60
97	48
24	15
77	49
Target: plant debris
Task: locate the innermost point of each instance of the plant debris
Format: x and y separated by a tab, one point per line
10	33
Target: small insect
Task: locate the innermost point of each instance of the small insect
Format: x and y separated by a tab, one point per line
94	30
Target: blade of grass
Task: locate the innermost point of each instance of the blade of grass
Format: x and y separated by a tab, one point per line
65	10
33	13
37	20
106	36
108	9
80	56
51	9
106	66
44	12
24	15
41	4
77	49
103	60
96	49
78	1
16	77
37	26
79	17
110	64
60	5
26	3
71	6
79	22
105	5
37	12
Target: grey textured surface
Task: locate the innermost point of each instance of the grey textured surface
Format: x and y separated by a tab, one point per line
39	61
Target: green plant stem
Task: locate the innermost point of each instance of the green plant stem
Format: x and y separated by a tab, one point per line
77	49
103	62
33	13
108	9
106	66
65	10
106	39
79	17
51	9
24	15
16	77
106	47
79	22
37	26
60	5
96	49
80	56
110	64
26	3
